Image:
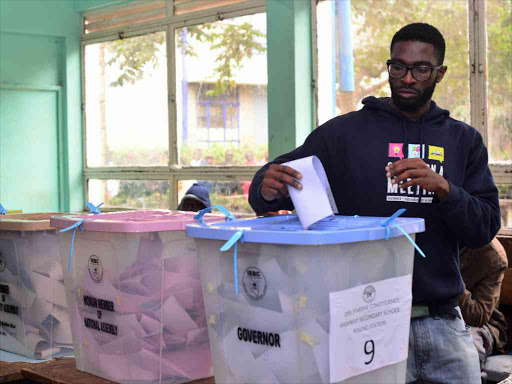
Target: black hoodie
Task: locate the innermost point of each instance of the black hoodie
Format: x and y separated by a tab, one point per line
355	149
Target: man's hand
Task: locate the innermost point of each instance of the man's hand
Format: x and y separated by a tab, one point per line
420	174
275	180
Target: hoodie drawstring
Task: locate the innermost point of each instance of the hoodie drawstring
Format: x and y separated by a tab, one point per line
422	151
405	149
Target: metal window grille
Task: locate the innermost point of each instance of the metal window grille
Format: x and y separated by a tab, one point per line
219	112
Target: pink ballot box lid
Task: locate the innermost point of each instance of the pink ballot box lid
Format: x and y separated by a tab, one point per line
133	221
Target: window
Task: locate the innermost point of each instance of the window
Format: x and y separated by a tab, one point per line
233	195
506	205
352	43
499	81
221	108
130	193
174	90
126	102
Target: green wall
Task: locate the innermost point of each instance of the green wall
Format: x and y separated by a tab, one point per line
40	106
290	74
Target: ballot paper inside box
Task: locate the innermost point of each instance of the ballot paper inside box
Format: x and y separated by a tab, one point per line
34	321
135	296
277	329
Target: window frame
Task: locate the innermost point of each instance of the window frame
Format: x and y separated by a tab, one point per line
173	172
477	37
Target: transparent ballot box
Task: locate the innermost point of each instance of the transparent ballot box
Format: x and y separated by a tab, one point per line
133	287
34	320
324	305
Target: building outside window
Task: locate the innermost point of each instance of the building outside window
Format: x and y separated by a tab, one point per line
218	116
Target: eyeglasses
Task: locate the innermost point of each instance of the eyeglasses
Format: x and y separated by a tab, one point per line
420	72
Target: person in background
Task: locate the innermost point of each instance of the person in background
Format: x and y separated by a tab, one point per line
209	160
228	157
483	271
404	151
198	158
249	158
196	198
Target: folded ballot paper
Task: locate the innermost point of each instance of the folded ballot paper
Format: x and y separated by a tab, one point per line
34	319
326	305
285	335
314	201
144	324
135	294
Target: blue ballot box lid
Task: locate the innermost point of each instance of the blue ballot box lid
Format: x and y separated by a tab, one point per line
287	229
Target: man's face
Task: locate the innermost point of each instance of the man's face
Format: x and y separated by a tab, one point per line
407	93
192	205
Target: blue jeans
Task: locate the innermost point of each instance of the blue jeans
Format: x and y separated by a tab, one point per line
441	351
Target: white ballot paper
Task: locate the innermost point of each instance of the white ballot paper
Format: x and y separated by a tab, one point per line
369	327
315	201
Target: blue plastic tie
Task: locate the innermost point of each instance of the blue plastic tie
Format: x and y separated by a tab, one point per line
94	209
386	223
234	241
202	212
391	218
3	211
78	224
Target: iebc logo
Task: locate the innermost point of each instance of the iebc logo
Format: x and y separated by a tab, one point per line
255	284
95	269
369	293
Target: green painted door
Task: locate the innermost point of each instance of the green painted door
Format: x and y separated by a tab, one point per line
29	167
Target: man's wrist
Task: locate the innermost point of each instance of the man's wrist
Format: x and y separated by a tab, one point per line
443	191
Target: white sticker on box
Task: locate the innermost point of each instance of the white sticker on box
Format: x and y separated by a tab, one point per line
369	327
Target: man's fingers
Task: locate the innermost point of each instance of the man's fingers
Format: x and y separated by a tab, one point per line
403	165
276	179
274	186
270	193
286	170
412	183
288	180
415	172
409	174
284	175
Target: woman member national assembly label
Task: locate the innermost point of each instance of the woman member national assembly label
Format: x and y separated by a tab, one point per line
369	327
